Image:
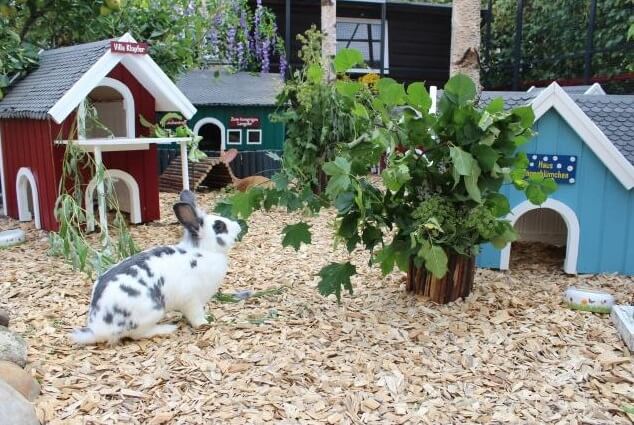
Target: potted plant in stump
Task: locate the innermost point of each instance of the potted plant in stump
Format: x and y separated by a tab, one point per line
439	197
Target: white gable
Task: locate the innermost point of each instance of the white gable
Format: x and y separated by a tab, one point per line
554	97
167	96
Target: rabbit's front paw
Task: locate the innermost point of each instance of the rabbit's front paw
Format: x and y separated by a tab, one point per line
195	315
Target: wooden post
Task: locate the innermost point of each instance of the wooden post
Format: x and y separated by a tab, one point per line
329	29
101	195
184	166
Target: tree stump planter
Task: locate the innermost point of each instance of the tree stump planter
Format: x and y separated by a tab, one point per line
457	283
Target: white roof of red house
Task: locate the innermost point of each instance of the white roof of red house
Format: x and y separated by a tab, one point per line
65	76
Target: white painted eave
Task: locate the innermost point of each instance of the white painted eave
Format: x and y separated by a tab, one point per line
167	96
554	97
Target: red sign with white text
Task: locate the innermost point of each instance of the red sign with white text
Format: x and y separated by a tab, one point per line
128	47
244	122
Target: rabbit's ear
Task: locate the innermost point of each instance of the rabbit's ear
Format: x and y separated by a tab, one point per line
186	214
188	197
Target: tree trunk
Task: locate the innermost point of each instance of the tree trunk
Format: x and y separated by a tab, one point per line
329	30
465	40
457	283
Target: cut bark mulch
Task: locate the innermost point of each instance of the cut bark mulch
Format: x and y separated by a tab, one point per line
510	353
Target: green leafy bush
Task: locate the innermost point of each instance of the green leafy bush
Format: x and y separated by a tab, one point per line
439	194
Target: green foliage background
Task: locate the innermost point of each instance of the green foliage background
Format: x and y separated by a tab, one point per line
554	39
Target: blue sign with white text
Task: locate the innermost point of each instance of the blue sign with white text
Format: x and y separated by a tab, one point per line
562	168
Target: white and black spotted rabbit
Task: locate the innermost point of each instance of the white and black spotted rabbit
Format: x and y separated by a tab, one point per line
133	296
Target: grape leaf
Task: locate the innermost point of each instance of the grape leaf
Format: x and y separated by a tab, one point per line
462	161
346	59
486	155
337	167
460	89
471	184
535	194
435	260
418	97
242	204
335	276
348	88
296	234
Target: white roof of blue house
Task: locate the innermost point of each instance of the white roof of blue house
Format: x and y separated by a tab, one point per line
612	114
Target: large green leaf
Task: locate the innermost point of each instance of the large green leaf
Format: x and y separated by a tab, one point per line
535	194
460	89
498	204
348	88
471	184
526	115
334	277
391	93
435	259
395	177
486	155
242	204
296	234
462	161
337	167
337	184
418	97
496	105
346	59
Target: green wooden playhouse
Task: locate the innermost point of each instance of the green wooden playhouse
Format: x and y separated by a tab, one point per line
233	112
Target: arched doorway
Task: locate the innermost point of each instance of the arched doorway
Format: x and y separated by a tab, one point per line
114	106
27	197
127	192
212	132
553	222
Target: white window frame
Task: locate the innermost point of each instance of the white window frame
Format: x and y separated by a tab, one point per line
229	142
386	52
254	131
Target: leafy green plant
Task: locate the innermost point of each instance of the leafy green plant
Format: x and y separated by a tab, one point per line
439	195
316	117
162	130
71	240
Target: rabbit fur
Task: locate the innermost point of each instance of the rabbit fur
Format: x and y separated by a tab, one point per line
131	298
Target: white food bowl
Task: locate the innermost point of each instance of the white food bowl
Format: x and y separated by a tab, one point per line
588	300
11	237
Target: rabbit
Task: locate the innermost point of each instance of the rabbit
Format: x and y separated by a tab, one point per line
130	298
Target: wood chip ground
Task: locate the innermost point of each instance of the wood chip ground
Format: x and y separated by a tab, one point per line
510	353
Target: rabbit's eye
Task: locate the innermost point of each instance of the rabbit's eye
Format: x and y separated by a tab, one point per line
220	227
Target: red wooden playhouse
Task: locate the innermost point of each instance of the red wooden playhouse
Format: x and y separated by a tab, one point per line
122	82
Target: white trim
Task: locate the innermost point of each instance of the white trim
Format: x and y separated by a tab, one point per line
595	89
124	141
221	126
555	97
573	234
239	131
128	103
433	94
167	96
133	189
24	176
249	131
3	186
386	52
530	89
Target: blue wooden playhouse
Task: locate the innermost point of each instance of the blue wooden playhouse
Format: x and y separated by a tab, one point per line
586	142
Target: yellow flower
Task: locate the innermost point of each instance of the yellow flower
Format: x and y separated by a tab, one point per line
369	79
